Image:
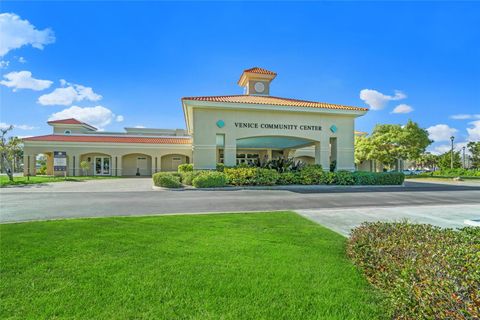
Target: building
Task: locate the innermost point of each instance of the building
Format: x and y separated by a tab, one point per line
229	129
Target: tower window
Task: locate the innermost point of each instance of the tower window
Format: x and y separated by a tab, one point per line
67	132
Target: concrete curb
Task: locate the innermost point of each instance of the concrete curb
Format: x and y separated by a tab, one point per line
292	187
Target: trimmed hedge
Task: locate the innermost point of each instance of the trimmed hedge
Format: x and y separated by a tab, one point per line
425	272
167	180
251	176
187	177
186	167
210	179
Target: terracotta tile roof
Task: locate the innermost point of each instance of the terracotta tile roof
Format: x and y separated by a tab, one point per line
270	100
70	121
110	139
260	70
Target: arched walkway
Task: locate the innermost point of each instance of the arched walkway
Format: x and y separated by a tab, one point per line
136	164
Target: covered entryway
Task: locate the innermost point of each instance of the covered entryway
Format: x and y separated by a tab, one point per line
99	164
136	164
170	162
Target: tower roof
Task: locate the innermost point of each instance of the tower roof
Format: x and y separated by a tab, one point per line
256	72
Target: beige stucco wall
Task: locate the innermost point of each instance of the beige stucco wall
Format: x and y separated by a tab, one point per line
205	131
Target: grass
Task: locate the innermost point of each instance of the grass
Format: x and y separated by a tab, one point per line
226	266
441	178
4	181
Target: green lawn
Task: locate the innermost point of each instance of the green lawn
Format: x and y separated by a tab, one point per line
227	266
4	181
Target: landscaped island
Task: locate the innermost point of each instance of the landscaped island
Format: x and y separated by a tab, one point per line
265	176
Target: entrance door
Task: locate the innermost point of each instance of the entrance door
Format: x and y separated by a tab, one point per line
102	166
142	166
176	161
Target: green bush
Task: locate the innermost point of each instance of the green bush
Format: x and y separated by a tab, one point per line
220	167
210	179
187	177
425	272
312	174
251	176
186	167
378	178
345	178
166	180
459	172
287	178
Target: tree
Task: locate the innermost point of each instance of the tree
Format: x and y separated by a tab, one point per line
85	165
5	151
474	148
390	143
427	160
444	160
15	152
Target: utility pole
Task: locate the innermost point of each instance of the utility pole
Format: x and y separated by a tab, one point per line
451	152
464	166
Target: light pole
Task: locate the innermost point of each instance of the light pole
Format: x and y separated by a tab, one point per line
463	149
451	152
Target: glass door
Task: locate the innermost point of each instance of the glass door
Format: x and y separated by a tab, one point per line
102	166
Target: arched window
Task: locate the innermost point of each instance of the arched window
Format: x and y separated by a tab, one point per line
67	132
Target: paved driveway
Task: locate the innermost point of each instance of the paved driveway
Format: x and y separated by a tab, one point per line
134	196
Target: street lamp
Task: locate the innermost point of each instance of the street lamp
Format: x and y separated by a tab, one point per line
463	149
451	152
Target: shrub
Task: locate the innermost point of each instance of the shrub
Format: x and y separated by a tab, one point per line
286	178
166	180
378	178
244	176
344	178
220	167
186	167
187	177
312	174
425	272
210	179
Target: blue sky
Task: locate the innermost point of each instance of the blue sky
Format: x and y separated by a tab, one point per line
121	64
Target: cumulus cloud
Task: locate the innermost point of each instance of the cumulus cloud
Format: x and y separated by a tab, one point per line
98	116
474	131
66	96
377	100
139	127
463	116
442	148
441	132
16	33
22	60
24	80
4	64
402	108
119	118
4	125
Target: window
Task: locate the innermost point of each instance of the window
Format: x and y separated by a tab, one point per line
177	159
67	132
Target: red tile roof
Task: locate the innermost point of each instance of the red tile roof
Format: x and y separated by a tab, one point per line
270	100
260	70
110	139
70	121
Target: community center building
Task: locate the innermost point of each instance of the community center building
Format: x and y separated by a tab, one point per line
230	129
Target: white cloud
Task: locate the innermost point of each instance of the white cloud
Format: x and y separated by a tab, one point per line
24	80
119	118
4	125
140	127
402	108
16	33
441	132
464	116
98	116
442	148
68	95
474	131
377	100
22	60
4	64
